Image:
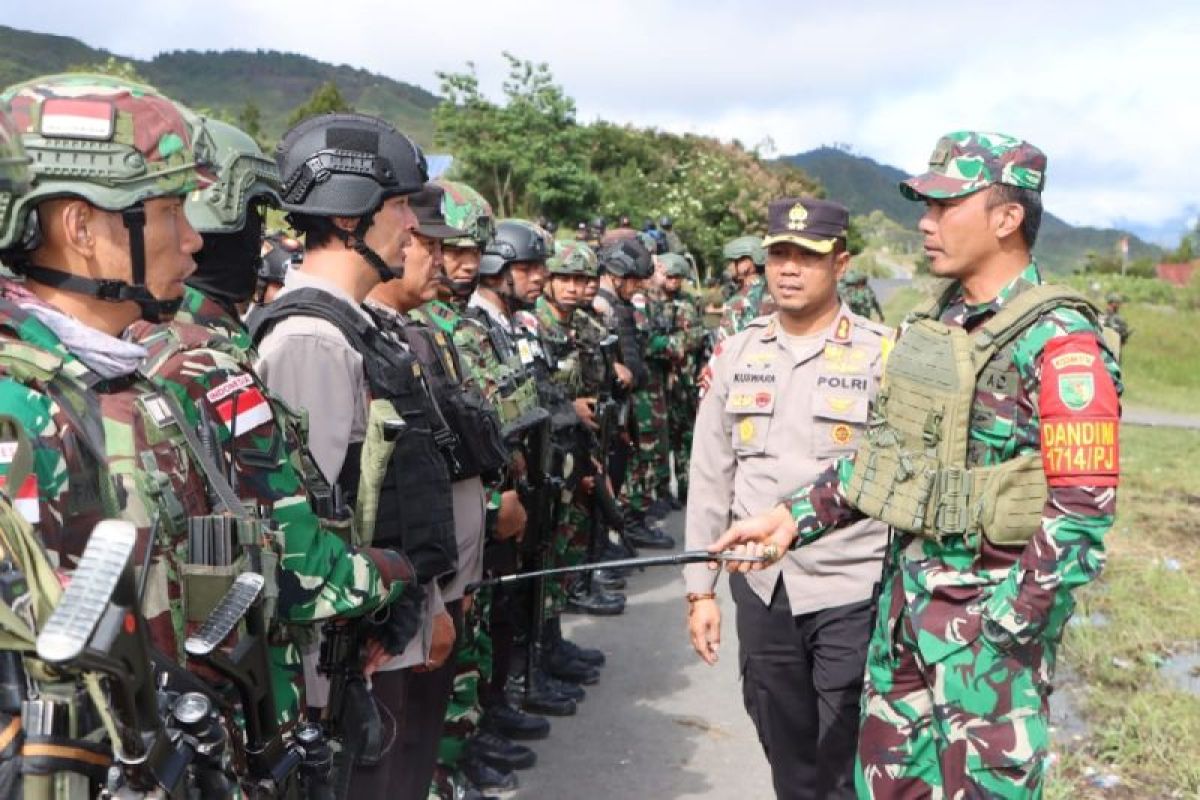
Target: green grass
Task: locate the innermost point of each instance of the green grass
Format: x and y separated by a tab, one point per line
1142	727
1161	362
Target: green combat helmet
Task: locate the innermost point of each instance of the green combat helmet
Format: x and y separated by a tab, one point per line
14	173
573	258
465	209
675	265
113	143
750	247
243	172
1114	299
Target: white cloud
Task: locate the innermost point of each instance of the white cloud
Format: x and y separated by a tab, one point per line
1106	88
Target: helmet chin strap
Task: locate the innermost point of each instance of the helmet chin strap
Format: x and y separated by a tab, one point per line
356	241
515	302
151	308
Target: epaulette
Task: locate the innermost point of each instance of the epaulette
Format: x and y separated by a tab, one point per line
759	322
877	328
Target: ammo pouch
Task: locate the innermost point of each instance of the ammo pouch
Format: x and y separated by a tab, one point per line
477	448
413	507
916	468
221	547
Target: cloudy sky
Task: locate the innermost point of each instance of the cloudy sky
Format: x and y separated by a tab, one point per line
1108	89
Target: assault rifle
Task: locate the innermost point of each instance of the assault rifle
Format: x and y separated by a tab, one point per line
540	492
604	511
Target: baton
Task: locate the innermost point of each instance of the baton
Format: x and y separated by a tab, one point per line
686	557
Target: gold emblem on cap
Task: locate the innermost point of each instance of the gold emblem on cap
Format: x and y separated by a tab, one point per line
797	217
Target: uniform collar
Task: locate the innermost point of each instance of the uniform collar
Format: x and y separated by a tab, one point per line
298	279
839	331
962	313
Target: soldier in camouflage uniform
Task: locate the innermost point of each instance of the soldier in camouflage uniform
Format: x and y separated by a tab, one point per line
1111	318
625	266
747	259
989	392
569	270
108	431
687	334
462	740
229	215
857	294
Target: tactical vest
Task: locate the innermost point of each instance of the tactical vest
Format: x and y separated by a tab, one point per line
396	479
622	321
516	398
475	447
917	469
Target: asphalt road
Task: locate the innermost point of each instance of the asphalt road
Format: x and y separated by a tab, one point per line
660	724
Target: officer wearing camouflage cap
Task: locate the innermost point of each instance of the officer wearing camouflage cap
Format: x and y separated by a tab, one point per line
998	511
857	294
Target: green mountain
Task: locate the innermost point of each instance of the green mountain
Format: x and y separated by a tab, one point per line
226	81
865	185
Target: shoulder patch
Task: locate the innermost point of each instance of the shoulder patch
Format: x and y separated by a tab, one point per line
1080	414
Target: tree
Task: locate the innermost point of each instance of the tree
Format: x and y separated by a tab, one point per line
249	119
125	70
526	155
325	99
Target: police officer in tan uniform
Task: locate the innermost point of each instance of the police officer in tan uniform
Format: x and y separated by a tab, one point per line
787	396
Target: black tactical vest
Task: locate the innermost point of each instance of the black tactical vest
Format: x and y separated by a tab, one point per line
475	448
415	511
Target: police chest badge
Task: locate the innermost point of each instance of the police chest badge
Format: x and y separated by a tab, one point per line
1076	389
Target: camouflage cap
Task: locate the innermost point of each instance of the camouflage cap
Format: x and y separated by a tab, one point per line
964	162
243	173
112	141
573	258
466	209
427	206
14	172
813	224
675	265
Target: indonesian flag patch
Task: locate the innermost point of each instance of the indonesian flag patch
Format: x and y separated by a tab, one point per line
25	498
78	118
1080	414
244	411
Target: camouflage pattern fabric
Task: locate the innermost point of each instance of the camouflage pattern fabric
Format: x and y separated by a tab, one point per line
963	653
687	328
1114	320
138	144
862	300
473	664
200	309
963	162
648	418
749	302
320	576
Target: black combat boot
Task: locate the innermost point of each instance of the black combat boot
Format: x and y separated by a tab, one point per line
512	723
501	752
640	534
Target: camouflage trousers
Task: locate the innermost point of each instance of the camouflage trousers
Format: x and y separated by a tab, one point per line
945	713
649	461
568	548
473	663
681	412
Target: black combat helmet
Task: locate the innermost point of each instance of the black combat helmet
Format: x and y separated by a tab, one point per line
513	241
346	165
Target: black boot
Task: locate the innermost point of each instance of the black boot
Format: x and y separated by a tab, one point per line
560	664
596	602
487	778
608	579
500	752
513	723
638	533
